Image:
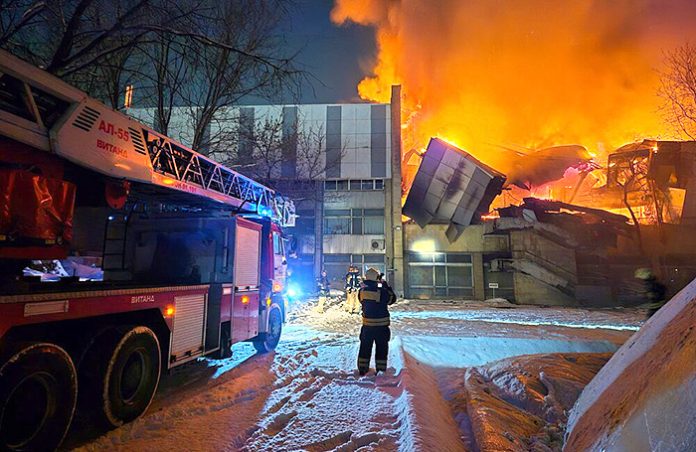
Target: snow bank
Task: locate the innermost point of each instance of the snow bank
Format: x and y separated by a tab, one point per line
433	428
645	397
459	352
521	403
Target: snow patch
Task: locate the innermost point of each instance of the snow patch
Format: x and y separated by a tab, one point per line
459	352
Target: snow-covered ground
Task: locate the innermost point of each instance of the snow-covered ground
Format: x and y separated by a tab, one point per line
307	395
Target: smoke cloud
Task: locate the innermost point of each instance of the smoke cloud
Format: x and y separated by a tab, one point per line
524	73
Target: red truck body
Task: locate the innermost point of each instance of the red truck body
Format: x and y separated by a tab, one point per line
188	256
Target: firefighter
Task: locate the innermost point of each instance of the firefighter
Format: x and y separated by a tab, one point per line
654	290
324	289
353	281
375	295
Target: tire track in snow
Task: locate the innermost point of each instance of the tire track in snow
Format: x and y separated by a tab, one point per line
207	415
322	404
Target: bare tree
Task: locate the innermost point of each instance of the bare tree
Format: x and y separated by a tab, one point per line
230	71
70	36
201	53
678	89
169	70
264	145
19	15
630	174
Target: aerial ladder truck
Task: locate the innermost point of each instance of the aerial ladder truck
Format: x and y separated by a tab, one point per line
166	257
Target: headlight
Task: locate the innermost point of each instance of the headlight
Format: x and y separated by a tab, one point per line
293	291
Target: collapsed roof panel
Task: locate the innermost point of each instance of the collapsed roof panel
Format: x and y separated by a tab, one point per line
451	187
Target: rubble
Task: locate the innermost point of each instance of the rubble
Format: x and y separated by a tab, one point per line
547	165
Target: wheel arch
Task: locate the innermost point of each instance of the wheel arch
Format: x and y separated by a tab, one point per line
263	327
77	335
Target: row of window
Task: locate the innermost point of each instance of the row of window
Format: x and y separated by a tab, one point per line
439	258
354	221
336	265
348	259
354	185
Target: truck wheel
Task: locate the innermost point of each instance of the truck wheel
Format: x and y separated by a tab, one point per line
120	374
38	393
267	342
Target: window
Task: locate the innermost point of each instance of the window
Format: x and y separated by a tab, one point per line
277	244
354	185
440	275
373	221
336	265
337	226
354	221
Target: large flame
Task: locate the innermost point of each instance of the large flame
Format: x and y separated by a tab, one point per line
524	74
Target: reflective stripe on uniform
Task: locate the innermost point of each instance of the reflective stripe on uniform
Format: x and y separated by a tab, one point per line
369	295
382	321
381	363
363	360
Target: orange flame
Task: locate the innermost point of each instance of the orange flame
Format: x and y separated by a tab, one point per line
528	73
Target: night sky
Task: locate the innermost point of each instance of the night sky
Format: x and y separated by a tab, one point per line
337	57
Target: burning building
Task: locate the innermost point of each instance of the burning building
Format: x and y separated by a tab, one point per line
653	182
544	251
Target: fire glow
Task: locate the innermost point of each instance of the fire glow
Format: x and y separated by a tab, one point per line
527	74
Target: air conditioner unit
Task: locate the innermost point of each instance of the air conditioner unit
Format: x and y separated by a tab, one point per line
377	244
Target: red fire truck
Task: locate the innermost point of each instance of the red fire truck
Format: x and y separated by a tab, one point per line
165	256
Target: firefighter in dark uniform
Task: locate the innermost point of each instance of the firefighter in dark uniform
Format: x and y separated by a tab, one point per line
324	288
654	291
374	295
353	281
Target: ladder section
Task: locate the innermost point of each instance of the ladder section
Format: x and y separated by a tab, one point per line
179	163
114	250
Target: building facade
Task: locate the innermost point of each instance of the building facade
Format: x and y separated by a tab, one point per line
342	165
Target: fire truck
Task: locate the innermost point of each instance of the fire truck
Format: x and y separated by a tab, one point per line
165	256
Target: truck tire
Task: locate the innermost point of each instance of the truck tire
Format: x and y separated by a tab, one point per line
120	374
267	342
38	393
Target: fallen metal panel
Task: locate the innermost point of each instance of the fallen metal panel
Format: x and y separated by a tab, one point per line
451	187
